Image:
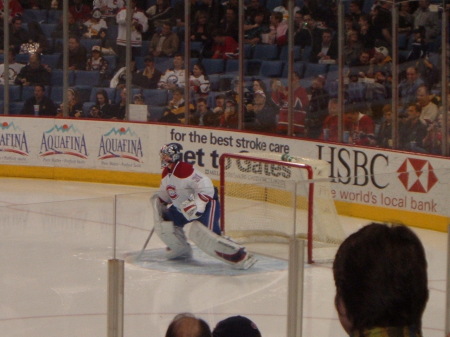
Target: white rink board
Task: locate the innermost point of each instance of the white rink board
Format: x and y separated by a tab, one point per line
371	177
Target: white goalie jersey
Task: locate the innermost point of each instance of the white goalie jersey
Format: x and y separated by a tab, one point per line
177	186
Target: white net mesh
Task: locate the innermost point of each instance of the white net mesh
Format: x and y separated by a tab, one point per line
266	199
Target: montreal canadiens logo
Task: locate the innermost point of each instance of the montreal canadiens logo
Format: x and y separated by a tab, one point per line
172	192
417	175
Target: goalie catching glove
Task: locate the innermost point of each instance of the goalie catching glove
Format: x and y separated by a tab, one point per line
192	209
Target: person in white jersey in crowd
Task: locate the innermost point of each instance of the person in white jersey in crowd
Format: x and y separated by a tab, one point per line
187	195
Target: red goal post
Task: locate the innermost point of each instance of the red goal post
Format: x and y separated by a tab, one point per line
265	198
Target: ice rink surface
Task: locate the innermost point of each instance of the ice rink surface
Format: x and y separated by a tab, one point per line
56	239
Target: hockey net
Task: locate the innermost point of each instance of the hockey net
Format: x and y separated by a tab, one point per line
266	201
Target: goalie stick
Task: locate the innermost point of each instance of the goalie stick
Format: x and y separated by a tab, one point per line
156	217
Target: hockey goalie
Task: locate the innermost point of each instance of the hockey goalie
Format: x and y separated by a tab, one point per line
186	195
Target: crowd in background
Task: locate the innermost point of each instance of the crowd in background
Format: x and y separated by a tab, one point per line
97	56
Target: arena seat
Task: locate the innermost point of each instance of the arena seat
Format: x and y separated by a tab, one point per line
265	52
213	66
87	78
155	97
38	15
271	68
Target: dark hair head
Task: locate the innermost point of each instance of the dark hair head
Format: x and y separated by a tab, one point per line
188	325
380	273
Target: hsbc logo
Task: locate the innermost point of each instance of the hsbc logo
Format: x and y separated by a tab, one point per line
417	175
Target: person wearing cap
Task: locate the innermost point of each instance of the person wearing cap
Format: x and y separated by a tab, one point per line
96	62
147	78
380	61
94	24
236	326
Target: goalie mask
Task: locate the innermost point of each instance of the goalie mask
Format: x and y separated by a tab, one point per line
170	153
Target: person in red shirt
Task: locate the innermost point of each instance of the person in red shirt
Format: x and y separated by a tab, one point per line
360	126
223	46
15	9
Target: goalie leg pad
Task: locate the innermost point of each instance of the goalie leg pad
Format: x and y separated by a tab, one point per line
175	239
220	247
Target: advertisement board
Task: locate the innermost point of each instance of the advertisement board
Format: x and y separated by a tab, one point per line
99	150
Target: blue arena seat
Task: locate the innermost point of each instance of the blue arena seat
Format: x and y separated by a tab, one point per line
54	16
51	60
15	108
56	77
38	15
56	94
284	53
87	78
14	92
23	58
213	66
273	68
156	97
265	52
156	112
315	69
89	43
48	29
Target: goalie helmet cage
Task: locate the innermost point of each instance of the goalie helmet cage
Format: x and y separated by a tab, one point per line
267	197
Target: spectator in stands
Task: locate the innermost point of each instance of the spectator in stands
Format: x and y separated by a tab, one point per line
139	25
428	20
405	19
366	31
79	11
264	114
327	50
429	71
165	43
17	34
149	77
355	90
407	89
187	325
175	112
106	44
174	77
34	72
201	29
102	108
15	9
253	8
353	47
109	8
77	55
224	46
199	82
219	104
361	66
96	62
381	19
278	93
435	135
355	12
384	134
120	108
229	25
412	130
39	104
75	29
213	9
429	110
378	93
236	326
381	61
203	115
138	99
230	119
278	29
74	104
317	109
13	68
418	46
380	273
259	85
37	41
94	24
359	125
159	13
330	124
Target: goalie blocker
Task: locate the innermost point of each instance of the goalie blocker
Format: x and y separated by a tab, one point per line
186	195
